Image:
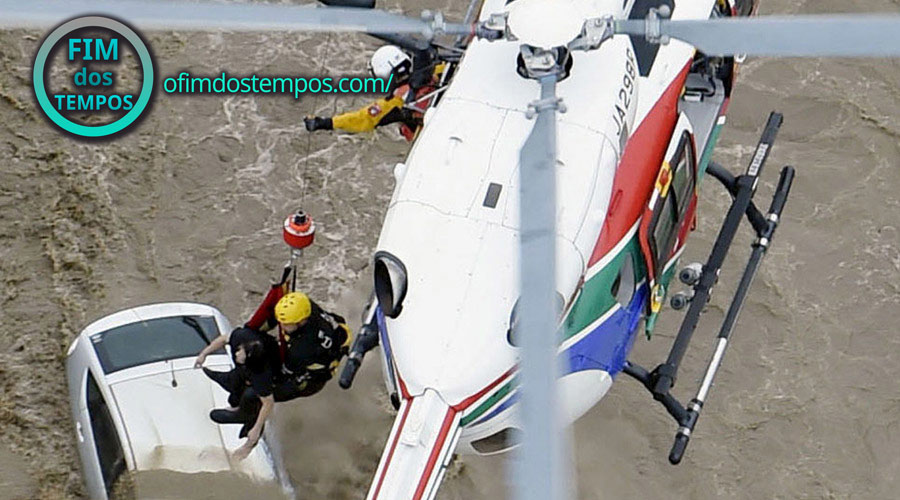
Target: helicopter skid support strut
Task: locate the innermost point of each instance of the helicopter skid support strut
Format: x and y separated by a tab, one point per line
742	188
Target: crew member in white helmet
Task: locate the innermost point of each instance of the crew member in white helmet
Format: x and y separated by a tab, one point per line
406	103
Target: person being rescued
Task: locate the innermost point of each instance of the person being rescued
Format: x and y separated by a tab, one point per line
413	90
283	353
249	384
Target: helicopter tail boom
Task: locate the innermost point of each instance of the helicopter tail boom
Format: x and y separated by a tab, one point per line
418	449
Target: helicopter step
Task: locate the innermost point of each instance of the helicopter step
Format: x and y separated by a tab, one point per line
703	278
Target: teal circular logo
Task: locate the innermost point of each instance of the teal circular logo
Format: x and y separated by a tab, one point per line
61	32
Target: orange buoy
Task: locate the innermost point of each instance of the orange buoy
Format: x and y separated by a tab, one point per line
299	230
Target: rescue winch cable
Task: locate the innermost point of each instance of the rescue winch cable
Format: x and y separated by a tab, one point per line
309	136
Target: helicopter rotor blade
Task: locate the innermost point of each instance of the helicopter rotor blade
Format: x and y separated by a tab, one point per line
542	449
841	35
205	16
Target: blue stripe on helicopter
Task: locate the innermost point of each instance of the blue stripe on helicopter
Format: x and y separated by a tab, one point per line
499	409
382	332
386	346
607	346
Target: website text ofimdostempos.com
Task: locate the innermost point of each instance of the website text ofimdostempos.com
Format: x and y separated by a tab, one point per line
185	83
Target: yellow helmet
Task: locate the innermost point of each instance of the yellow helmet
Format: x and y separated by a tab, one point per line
293	308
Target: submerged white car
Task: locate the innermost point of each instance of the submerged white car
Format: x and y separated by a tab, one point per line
139	404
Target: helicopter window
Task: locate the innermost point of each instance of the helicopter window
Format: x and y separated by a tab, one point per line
664	229
671	210
683	177
681	184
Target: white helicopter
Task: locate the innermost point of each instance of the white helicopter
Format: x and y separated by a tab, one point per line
477	266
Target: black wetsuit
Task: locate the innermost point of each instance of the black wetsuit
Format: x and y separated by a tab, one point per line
242	378
313	353
262	378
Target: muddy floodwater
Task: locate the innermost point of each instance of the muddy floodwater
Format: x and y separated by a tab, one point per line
189	207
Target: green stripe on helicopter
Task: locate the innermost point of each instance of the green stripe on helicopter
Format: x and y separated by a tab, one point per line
708	151
489	402
595	300
596	296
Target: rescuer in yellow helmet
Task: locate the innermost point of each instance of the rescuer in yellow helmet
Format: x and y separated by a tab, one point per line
315	340
293	309
294	360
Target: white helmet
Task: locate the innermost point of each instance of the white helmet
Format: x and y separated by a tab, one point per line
390	59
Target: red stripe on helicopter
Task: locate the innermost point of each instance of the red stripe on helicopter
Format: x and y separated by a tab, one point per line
724	109
637	170
462	405
435	453
403	391
387	461
475	397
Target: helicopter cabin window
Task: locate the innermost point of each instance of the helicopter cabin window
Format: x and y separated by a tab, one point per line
664	228
671	210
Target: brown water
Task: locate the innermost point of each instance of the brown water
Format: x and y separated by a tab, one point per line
189	208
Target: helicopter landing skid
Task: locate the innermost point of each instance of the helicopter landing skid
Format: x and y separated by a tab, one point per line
742	188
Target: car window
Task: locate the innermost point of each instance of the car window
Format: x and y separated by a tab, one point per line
153	340
106	440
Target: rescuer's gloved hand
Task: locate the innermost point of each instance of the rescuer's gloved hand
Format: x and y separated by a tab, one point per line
317	123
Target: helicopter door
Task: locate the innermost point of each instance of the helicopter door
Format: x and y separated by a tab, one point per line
669	213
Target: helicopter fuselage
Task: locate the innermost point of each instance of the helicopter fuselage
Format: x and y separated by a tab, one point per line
452	222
